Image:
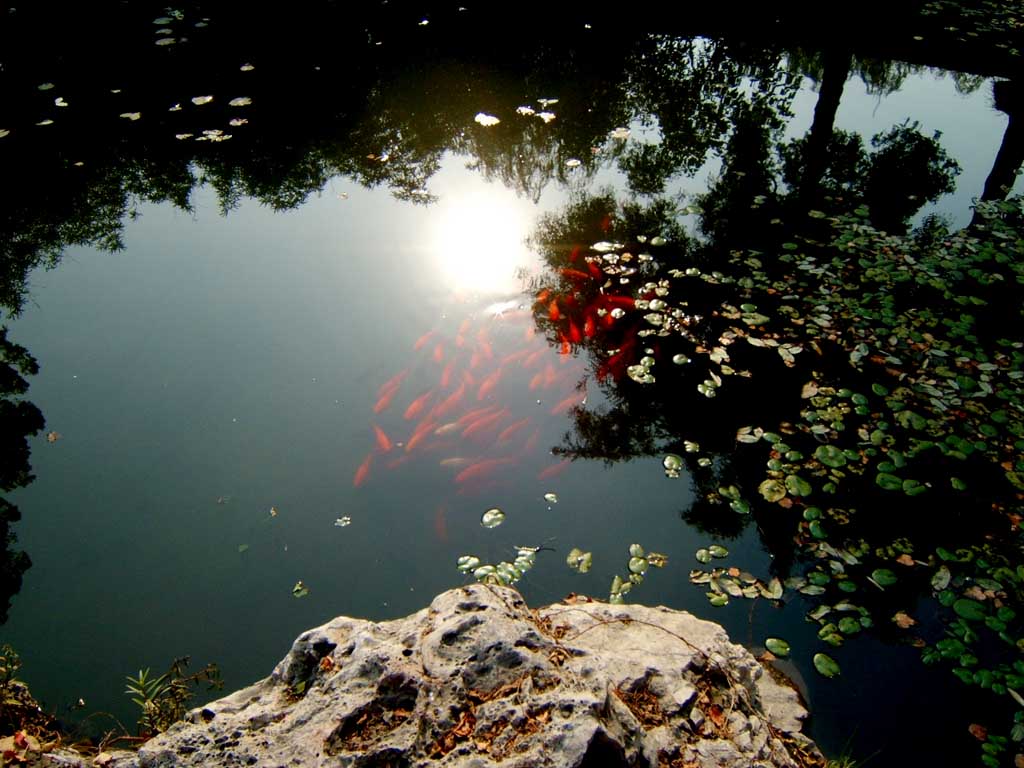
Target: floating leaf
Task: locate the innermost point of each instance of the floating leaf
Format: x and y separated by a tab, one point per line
551	498
772	490
492	518
703	556
777	646
830	456
243	548
240	101
826	665
467	563
969	609
486	120
343	522
300	589
717	550
200	100
883	577
797	486
718	599
889	482
817	529
849	625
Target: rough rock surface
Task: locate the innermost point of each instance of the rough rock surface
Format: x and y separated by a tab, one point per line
479	679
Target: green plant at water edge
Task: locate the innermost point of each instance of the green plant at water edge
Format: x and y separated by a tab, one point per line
162	700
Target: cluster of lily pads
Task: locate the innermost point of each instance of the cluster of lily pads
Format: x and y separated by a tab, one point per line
637	566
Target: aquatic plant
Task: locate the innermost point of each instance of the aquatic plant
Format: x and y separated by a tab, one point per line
162	700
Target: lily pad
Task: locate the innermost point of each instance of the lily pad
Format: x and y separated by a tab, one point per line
797	486
772	490
703	556
492	518
826	665
883	577
777	646
830	456
717	550
969	609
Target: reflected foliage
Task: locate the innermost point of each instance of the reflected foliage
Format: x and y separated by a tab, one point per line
21	420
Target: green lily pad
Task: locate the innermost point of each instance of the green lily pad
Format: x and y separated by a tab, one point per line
797	486
969	609
888	482
772	490
703	556
777	646
830	456
717	550
817	529
941	578
826	665
883	577
718	599
849	625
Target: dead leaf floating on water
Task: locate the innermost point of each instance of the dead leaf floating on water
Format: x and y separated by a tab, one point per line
45	86
486	120
247	67
59	101
273	511
903	621
53	437
343	522
182	136
241	101
4	132
131	115
300	589
200	100
547	117
45	122
166	41
237	121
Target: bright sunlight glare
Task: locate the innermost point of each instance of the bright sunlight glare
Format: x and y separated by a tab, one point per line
478	240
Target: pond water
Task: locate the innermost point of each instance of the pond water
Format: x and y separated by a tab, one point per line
326	347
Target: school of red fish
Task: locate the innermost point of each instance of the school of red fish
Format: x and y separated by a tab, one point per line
480	402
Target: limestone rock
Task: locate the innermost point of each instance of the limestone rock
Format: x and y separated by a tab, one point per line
479	679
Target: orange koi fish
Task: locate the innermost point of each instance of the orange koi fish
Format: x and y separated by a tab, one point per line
553	312
481	425
385	401
553	470
363	472
449	404
510	430
479	469
424	428
574	333
565	405
467	418
460	337
542	295
416	406
383	442
488	384
422	340
588	326
392	384
439	353
455	461
446	375
537	381
441	524
475	359
574	274
534	358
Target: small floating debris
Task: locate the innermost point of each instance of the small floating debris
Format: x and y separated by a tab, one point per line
486	120
223	499
525	111
4	132
573	163
620	134
241	101
45	122
273	511
247	67
343	522
551	498
492	518
300	589
547	102
162	20
243	548
672	463
59	101
200	100
53	437
237	121
547	117
131	115
45	86
579	560
166	41
468	563
183	136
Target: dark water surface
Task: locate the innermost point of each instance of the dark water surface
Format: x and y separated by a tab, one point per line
216	383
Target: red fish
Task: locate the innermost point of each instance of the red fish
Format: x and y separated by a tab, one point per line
574	274
480	469
446	375
382	439
553	470
392	384
416	406
488	384
449	404
480	426
439	353
537	381
542	295
594	270
574	254
363	472
468	418
510	430
476	359
441	524
384	401
423	429
553	313
588	326
422	340
574	333
566	404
